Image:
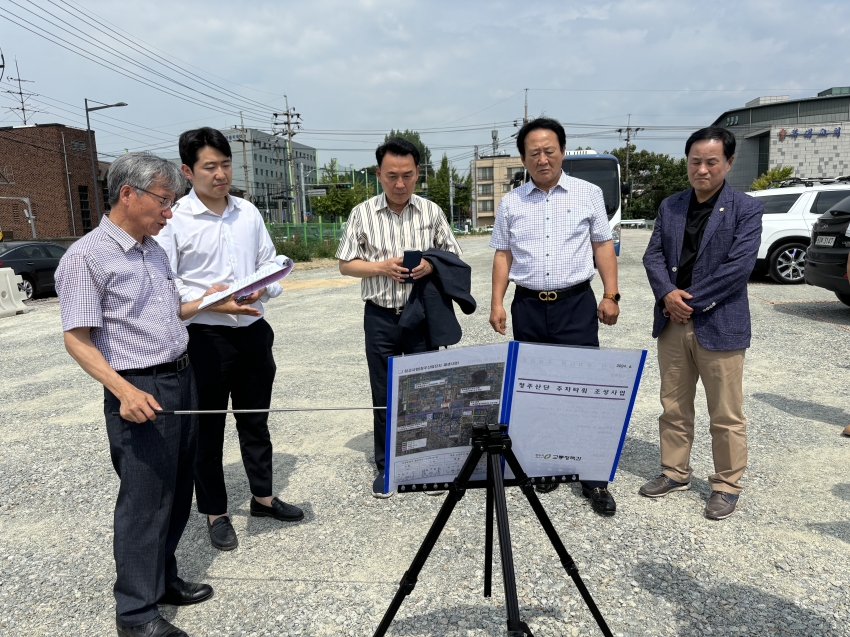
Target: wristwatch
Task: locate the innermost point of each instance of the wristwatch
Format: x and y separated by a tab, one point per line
614	297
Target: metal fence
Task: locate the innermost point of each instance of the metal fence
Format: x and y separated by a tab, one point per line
321	231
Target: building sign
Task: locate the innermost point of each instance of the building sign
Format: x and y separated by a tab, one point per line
809	133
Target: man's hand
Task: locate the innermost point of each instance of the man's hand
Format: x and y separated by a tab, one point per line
393	269
251	298
608	311
423	269
498	318
137	406
676	308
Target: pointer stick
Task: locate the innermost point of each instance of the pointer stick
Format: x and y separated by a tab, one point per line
200	412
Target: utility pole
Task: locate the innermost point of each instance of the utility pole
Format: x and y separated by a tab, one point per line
303	189
473	208
244	141
628	130
525	116
451	198
279	182
292	121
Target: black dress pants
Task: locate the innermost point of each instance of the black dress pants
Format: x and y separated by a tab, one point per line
384	338
155	462
567	321
233	363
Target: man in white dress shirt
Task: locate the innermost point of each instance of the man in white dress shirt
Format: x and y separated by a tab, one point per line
214	236
547	235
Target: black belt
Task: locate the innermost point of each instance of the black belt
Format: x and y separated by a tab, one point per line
554	295
394	310
165	368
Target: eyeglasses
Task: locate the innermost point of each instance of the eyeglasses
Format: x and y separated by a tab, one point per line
165	202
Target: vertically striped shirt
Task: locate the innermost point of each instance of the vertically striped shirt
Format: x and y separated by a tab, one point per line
376	233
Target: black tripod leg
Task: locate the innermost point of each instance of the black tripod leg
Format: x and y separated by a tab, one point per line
488	536
408	580
516	628
560	549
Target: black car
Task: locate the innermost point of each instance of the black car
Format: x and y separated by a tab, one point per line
34	261
826	259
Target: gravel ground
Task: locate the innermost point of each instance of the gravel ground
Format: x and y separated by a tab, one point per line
777	567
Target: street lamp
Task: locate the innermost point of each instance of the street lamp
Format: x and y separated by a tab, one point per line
91	149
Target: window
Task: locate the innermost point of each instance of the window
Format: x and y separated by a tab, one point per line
32	252
513	170
485	205
255	156
485	174
764	154
827	200
506	187
85	209
57	252
485	189
78	146
779	204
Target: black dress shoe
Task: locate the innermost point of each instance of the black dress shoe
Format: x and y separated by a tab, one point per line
222	535
601	501
180	593
279	510
546	487
158	627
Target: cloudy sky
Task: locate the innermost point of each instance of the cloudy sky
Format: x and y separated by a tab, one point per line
454	70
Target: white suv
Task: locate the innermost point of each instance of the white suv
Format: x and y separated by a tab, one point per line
789	213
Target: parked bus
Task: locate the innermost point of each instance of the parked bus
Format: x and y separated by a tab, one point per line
602	171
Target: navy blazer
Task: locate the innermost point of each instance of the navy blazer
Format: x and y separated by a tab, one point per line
724	262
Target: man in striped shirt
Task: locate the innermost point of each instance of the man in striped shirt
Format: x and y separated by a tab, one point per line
547	235
372	248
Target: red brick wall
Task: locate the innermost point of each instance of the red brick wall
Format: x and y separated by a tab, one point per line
34	155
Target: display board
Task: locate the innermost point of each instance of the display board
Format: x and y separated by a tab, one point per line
567	409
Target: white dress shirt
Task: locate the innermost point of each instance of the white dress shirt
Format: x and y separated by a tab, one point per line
205	249
550	234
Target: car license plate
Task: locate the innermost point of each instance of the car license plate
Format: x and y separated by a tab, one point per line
824	241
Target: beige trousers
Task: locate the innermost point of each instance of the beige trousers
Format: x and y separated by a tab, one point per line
682	361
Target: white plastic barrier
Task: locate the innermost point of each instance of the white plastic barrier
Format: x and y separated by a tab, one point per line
11	298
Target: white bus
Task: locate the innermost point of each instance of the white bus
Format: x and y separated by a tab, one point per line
603	171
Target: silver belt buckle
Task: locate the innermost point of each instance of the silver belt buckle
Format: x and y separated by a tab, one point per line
182	362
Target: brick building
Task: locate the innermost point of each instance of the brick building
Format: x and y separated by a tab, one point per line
49	164
812	135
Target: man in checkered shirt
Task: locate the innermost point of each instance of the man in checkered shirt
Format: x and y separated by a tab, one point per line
121	317
547	235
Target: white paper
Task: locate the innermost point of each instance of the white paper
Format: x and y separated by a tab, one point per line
435	398
263	277
569	407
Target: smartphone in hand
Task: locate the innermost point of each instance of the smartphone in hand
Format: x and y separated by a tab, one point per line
412	259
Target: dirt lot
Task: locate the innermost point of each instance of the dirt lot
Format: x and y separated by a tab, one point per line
777	567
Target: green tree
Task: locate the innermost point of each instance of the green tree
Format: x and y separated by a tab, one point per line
413	137
653	176
438	189
778	173
338	202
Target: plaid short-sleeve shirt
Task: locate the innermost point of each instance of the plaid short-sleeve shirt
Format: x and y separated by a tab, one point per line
550	234
124	291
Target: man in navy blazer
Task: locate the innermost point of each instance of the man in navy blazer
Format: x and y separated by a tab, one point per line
701	253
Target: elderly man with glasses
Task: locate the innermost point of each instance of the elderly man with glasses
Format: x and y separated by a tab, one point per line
121	317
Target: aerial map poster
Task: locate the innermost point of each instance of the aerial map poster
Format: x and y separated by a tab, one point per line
434	399
567	409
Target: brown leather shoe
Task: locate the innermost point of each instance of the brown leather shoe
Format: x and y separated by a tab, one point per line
846	431
720	505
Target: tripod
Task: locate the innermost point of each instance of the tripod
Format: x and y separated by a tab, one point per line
492	440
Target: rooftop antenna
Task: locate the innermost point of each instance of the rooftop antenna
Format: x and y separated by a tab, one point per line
21	96
495	135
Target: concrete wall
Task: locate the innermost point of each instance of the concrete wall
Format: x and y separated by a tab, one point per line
816	157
